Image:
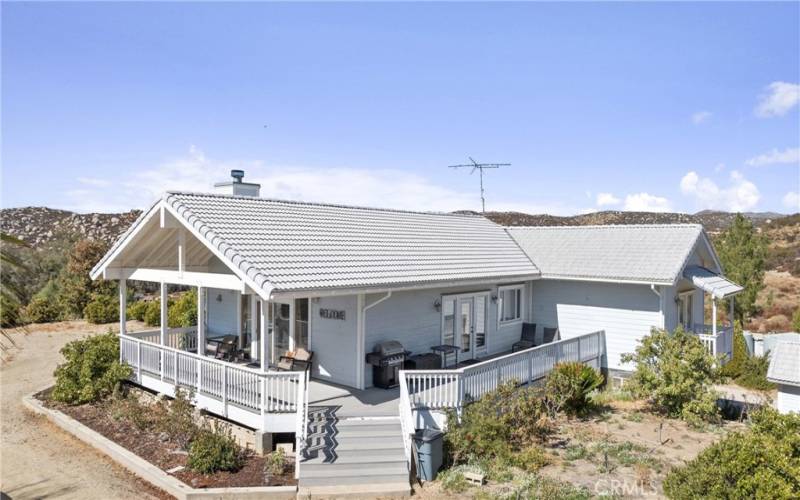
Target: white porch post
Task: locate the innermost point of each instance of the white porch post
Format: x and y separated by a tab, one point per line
163	326
713	316
732	312
123	306
239	329
263	345
253	323
201	321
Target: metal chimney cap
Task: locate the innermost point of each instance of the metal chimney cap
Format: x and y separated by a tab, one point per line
237	175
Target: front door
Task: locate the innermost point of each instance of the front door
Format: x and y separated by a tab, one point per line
464	322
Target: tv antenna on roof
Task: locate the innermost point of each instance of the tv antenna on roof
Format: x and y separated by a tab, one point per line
479	167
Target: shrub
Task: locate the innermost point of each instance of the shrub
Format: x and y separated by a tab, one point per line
101	309
453	480
674	372
530	459
754	374
762	462
42	310
178	419
9	312
152	313
92	370
136	310
183	311
733	368
212	450
569	386
275	463
131	410
503	422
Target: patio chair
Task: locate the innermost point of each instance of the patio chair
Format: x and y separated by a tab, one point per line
527	340
223	347
298	360
550	334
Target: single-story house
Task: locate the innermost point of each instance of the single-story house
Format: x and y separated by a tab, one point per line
339	280
784	370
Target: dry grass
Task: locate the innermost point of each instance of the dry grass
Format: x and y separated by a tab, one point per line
777	302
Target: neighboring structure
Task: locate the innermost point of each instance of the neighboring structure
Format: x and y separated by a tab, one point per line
338	280
784	370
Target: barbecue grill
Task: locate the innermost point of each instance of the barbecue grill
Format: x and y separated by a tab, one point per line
387	359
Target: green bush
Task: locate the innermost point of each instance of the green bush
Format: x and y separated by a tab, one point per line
754	374
503	422
453	480
42	310
675	373
136	310
275	463
183	311
796	320
102	309
570	385
9	312
762	462
733	368
152	313
91	370
214	450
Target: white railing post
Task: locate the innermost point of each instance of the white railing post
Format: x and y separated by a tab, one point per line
139	361
225	390
175	367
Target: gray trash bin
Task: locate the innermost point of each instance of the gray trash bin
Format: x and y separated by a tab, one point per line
429	453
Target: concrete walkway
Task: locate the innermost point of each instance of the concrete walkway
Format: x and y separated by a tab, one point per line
38	460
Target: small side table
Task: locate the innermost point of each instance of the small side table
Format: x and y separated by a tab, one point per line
444	350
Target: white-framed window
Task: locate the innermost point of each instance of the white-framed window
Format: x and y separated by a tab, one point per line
510	303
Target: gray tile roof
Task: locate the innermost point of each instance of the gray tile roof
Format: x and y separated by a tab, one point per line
294	246
640	253
718	286
784	364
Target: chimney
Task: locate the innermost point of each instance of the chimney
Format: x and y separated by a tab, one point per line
237	187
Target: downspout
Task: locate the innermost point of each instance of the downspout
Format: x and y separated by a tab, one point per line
660	304
361	333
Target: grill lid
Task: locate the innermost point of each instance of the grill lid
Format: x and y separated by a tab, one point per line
389	348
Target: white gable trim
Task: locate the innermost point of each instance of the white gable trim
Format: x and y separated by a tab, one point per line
160	208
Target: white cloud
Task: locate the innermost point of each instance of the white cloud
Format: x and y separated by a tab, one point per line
778	99
701	117
739	196
377	188
792	201
645	202
607	199
788	155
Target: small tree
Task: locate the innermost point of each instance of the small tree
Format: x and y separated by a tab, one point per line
101	309
743	253
76	286
674	372
734	367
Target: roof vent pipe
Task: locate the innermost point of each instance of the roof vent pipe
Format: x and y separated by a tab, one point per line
237	187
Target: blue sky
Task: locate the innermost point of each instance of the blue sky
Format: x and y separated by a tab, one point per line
597	106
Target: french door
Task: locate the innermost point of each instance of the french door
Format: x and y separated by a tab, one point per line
464	322
290	327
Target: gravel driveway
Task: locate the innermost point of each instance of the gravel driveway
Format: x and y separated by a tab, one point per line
38	460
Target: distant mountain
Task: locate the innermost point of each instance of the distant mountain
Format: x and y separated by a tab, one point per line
39	226
712	221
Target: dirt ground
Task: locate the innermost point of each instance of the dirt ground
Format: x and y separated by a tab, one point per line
38	460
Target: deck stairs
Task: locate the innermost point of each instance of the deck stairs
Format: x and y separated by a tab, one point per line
353	457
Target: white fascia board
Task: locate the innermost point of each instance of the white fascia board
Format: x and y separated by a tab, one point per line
555	277
333	292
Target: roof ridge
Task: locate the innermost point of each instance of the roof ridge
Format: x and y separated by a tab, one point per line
609	226
322	204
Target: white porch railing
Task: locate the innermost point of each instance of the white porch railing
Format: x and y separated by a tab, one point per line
407	423
434	389
184	339
301	424
237	392
719	345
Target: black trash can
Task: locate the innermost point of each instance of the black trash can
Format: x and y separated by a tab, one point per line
429	444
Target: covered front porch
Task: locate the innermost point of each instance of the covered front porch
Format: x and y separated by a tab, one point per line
716	336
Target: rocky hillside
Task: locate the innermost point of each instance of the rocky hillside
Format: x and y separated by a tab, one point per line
712	221
40	226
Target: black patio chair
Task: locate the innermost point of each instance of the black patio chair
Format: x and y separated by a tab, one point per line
527	339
